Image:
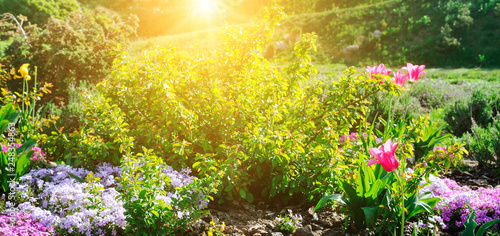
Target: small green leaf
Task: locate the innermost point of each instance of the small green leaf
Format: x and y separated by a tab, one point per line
155	213
78	179
324	200
243	194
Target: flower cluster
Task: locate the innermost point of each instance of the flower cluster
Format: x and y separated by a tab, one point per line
353	137
414	73
38	155
21	224
442	150
289	223
457	202
428	227
72	207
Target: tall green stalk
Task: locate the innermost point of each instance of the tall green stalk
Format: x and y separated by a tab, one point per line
402	184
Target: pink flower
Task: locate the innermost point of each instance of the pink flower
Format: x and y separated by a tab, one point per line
440	148
4	149
37	154
400	78
380	69
385	156
414	71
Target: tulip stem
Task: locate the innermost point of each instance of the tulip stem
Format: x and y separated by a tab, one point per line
402	199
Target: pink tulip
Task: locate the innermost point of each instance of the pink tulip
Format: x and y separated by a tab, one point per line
400	78
414	71
385	156
380	69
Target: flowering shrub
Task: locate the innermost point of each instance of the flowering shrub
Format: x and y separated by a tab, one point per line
21	224
289	223
75	201
271	131
457	202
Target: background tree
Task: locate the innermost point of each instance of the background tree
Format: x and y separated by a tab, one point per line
71	50
39	11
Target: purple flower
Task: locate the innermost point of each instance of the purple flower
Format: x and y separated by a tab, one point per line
457	200
73	207
21	223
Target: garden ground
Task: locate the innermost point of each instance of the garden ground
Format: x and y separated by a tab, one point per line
242	218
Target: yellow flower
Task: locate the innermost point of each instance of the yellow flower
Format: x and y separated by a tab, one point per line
24	72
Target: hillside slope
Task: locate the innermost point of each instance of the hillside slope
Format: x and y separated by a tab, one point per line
437	33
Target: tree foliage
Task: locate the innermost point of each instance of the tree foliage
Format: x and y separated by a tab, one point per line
74	49
39	11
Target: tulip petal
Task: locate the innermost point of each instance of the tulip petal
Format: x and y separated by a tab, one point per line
385	155
372	162
375	152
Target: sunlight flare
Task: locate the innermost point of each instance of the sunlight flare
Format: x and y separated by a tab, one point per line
206	6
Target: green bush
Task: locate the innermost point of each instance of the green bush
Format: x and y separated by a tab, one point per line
71	50
39	11
154	203
405	107
103	136
269	129
480	107
484	144
436	93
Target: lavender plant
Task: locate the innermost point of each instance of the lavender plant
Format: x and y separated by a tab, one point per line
435	93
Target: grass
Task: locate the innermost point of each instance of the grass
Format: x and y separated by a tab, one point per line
471	75
202	41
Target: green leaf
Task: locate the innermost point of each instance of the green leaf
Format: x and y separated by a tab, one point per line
142	194
196	164
324	200
22	163
3	125
375	189
243	194
78	179
486	226
370	215
155	213
250	197
470	224
28	145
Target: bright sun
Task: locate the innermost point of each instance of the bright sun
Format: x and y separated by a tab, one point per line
207	6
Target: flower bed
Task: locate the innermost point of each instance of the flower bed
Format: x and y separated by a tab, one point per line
457	201
75	201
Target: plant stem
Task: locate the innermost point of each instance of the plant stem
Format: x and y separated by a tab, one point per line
402	198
